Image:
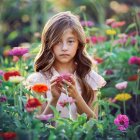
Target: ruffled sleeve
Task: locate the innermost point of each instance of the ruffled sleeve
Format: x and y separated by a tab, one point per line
34	78
95	80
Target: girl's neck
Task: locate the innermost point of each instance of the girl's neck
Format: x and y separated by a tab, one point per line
65	68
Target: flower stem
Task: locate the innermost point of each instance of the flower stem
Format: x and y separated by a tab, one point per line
124	107
69	108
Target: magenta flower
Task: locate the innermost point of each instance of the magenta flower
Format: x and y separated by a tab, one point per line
133	41
3	99
134	60
18	51
109	72
45	117
66	102
87	23
121	85
122	122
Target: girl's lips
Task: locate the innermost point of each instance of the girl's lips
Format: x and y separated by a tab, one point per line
64	54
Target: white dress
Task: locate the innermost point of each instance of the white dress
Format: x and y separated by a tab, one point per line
93	79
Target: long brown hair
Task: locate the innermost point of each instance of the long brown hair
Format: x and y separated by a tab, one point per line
51	34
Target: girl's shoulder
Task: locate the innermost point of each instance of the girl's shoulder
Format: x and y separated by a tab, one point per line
95	80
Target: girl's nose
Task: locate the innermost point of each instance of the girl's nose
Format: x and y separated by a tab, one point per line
64	47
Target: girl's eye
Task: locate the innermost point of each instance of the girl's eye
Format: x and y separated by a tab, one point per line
71	41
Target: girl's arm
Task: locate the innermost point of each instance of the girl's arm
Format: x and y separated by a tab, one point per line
93	108
80	103
84	108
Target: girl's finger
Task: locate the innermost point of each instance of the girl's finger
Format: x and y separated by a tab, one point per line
67	83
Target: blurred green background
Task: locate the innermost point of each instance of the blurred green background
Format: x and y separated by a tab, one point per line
23	20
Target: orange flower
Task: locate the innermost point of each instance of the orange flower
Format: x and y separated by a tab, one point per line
40	88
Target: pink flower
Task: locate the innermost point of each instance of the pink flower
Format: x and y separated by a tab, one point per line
134	60
44	117
121	85
65	102
1	73
122	122
15	59
87	23
118	24
18	51
110	21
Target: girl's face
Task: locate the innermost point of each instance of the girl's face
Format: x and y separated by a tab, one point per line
66	48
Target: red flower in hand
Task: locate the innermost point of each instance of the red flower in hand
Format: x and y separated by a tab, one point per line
40	88
62	77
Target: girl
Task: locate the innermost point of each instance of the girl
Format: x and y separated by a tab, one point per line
63	51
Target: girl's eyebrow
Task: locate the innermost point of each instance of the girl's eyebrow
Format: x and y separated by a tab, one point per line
71	38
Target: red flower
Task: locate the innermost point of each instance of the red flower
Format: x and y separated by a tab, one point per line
66	77
7	75
40	88
133	78
99	60
32	104
9	135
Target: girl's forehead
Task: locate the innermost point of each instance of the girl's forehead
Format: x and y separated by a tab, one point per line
69	31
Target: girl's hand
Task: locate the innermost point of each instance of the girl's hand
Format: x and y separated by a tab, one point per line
56	88
71	87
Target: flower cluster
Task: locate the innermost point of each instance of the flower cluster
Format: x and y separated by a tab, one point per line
122	122
115	24
87	23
